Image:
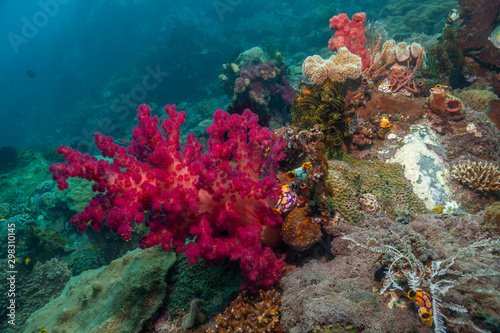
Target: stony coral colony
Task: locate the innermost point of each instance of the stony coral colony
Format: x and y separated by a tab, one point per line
256	195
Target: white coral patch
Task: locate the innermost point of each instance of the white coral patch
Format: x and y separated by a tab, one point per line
424	168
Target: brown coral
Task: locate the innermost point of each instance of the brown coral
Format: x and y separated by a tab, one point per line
482	176
300	231
477	99
251	313
492	216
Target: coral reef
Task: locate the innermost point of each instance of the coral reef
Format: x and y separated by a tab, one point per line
403	80
41	244
78	194
344	291
477	99
350	34
340	293
299	230
194	317
339	66
251	313
213	284
133	285
223	197
259	77
421	158
352	180
480	20
255	77
405	267
492	216
402	52
80	261
323	105
445	104
475	138
34	289
493	112
482	176
8	158
392	104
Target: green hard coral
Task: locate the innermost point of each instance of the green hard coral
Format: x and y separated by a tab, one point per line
365	187
42	244
213	284
78	195
323	105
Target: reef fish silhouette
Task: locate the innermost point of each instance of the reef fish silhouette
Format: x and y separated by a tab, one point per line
31	73
494	37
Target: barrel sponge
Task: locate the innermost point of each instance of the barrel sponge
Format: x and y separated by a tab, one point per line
339	66
400	52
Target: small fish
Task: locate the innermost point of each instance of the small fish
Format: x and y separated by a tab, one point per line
437	210
385	87
43	330
31	73
124	141
306	92
454	15
286	201
384	122
299	173
2	220
494	37
27	261
436	88
423	300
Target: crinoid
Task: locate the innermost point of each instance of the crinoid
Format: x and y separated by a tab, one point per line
323	105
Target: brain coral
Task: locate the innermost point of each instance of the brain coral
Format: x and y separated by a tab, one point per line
339	66
385	182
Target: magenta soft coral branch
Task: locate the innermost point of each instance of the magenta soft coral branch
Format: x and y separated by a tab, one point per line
213	205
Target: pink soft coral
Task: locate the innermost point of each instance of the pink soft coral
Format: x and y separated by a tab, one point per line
212	205
350	34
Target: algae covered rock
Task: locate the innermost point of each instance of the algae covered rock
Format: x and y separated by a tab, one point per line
119	297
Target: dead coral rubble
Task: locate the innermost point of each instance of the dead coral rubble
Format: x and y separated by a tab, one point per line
482	176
